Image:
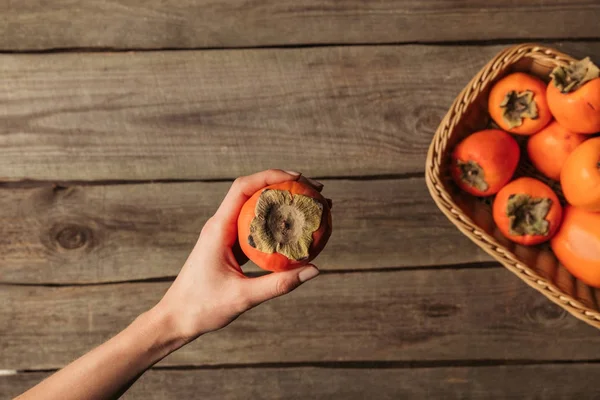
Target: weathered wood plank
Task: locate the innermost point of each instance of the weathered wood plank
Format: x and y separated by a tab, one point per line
468	314
229	23
219	114
539	382
113	233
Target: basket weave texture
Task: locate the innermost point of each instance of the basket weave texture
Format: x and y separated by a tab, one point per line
537	265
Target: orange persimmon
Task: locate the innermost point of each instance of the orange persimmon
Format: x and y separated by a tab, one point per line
580	176
284	226
517	103
577	244
485	161
527	211
574	96
548	149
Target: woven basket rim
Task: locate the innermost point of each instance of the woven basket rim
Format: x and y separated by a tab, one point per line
453	212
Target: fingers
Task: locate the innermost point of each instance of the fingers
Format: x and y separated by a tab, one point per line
312	182
277	284
317	185
244	187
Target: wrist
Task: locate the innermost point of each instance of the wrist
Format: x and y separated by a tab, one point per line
156	328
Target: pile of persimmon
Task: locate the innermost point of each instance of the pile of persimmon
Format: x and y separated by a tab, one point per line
559	121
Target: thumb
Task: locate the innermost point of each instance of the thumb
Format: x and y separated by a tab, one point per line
279	283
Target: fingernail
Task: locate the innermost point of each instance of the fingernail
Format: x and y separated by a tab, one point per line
308	273
315	182
293	173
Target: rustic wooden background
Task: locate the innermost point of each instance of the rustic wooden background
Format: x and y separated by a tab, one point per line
123	122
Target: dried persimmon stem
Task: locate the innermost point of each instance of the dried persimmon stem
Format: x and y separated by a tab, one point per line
527	215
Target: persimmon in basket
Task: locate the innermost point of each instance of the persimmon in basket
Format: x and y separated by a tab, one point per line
549	149
580	176
527	211
485	161
577	244
517	103
574	96
284	226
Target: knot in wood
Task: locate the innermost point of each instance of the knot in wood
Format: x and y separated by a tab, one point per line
72	237
547	312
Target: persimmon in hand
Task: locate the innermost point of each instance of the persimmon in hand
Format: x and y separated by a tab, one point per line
527	211
574	96
517	103
549	149
485	161
284	226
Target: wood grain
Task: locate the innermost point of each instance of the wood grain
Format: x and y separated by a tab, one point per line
468	314
111	233
219	114
137	24
483	383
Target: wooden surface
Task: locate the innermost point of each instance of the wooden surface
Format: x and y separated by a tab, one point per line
111	161
388	383
363	316
329	112
179	115
152	24
144	231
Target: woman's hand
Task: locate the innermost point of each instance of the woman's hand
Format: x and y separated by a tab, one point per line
209	293
211	290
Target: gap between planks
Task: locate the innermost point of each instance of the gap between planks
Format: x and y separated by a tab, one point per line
416	364
474	42
58	184
169	278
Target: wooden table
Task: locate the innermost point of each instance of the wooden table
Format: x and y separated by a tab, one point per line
123	123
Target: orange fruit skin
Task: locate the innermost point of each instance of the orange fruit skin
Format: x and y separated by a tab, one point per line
578	111
577	244
274	261
495	151
580	176
520	82
548	149
535	189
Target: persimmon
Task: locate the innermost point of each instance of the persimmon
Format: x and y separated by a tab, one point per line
574	96
284	226
517	103
527	211
548	149
485	161
580	176
577	244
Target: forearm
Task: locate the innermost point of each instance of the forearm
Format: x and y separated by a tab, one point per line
110	368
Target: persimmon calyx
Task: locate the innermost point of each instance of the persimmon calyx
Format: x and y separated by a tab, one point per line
570	78
527	215
473	175
517	106
284	223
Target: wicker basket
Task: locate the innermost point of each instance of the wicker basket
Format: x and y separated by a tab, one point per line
537	266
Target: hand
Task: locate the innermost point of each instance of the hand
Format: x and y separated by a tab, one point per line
209	292
211	289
